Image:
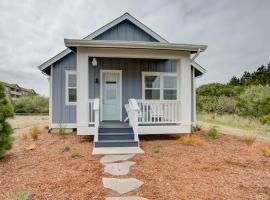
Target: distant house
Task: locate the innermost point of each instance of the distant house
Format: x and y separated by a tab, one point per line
14	91
123	72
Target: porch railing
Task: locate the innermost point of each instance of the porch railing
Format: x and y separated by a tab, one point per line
133	113
157	112
94	115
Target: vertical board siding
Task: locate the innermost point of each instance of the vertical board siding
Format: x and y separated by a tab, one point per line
131	75
60	112
126	31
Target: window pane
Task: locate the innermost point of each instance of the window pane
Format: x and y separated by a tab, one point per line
72	80
152	94
72	95
169	94
170	82
152	82
110	91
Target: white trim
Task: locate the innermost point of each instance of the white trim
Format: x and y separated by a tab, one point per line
50	97
198	67
164	129
67	102
133	45
119	20
63	125
121	91
161	75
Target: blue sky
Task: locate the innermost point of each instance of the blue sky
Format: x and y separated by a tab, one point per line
237	32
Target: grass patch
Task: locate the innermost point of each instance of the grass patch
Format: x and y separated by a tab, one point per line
20	196
75	154
233	121
263	149
249	140
34	132
157	149
23	136
191	140
46	127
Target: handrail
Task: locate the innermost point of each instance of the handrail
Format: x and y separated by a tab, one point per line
96	111
133	117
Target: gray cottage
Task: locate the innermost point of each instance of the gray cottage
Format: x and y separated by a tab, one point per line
122	81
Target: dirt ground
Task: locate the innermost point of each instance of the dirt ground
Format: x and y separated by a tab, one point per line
223	169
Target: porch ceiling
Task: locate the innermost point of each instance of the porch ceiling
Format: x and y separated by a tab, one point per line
192	48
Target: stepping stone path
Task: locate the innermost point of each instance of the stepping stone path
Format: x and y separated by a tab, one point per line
113	166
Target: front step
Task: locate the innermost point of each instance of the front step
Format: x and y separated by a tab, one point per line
115	130
115	136
116	143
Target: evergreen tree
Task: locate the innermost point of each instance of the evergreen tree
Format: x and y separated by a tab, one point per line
6	110
234	81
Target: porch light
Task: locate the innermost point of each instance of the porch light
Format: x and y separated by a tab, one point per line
94	62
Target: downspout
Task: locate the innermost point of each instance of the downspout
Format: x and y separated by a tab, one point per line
196	55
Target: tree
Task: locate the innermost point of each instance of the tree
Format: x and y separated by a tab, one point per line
234	81
6	111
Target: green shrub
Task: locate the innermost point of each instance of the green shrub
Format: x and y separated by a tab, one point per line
212	133
75	154
218	89
157	149
265	119
66	147
255	101
195	128
61	130
6	111
32	104
20	196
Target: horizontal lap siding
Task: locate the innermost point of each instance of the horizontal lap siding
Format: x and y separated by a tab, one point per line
126	31
60	112
131	75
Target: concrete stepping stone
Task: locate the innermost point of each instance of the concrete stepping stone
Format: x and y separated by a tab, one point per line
122	185
118	169
114	158
126	198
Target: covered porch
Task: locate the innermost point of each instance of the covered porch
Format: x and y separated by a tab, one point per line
155	84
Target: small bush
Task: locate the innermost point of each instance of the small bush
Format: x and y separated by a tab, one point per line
265	119
191	140
75	154
250	139
212	133
34	132
157	149
61	130
195	128
32	104
66	148
20	196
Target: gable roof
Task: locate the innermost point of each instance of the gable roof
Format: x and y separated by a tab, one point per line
101	30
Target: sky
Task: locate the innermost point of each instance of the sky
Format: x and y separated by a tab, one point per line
237	32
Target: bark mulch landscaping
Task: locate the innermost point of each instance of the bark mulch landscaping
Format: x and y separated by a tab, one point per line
222	168
49	172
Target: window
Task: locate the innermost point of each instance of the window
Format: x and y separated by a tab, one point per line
71	87
159	86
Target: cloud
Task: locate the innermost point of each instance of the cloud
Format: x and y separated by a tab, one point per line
32	31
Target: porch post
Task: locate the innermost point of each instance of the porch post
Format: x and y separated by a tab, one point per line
184	88
82	92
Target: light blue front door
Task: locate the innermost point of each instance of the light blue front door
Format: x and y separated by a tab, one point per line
111	96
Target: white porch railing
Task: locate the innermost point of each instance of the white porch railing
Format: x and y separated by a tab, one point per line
94	115
133	114
159	112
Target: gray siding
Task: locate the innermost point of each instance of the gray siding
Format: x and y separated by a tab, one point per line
131	75
60	112
127	31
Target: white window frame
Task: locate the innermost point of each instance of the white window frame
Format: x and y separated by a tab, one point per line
161	75
67	102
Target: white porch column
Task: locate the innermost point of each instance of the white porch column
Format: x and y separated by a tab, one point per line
184	85
82	92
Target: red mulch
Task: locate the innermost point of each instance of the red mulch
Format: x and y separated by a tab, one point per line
223	169
49	173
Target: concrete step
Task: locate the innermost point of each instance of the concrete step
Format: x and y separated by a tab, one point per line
115	130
